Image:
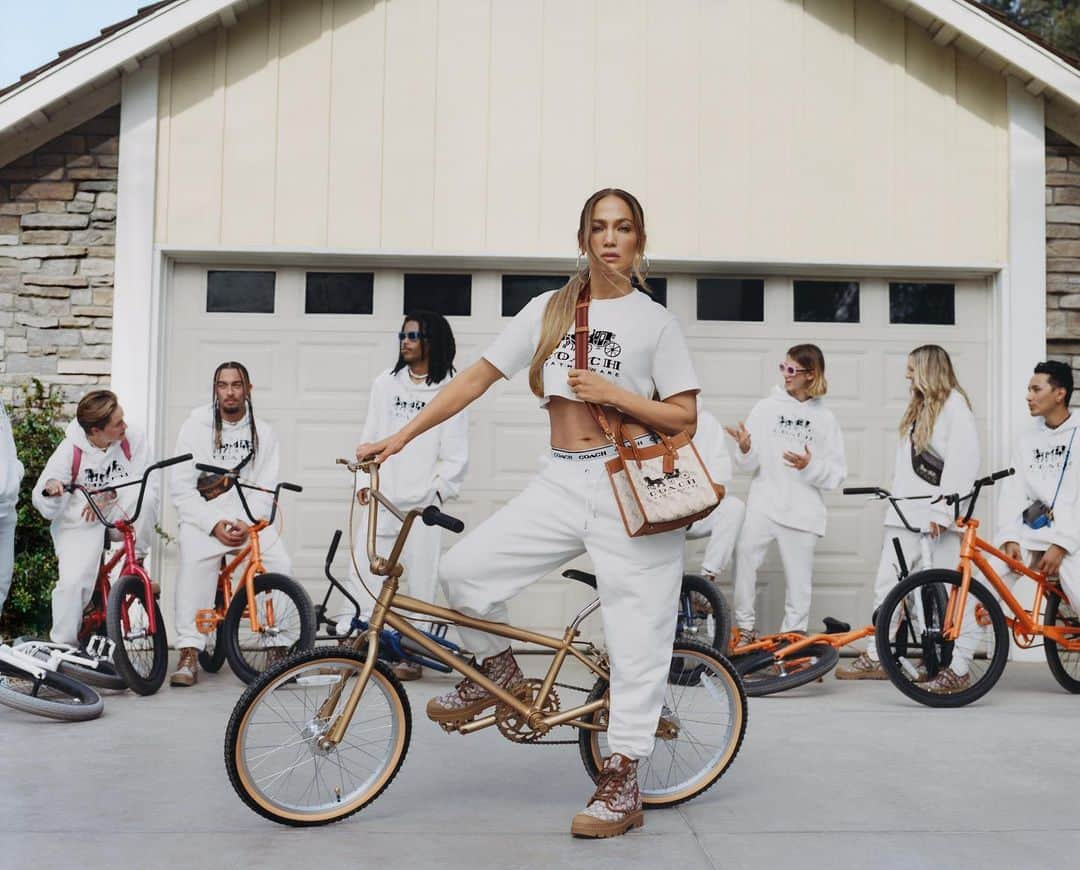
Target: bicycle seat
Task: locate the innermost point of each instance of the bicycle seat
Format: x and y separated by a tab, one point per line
835	626
581	576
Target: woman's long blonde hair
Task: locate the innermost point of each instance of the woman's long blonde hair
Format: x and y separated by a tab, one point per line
932	379
559	313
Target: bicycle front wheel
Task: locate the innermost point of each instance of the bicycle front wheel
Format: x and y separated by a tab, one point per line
54	696
701	728
781	672
272	750
286	625
703	614
912	650
1064	665
140	657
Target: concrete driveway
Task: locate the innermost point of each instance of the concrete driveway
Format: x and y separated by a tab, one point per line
831	775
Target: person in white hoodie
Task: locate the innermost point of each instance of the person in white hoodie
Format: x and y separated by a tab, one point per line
11	475
794	447
938	454
434	466
226	434
99	450
722	526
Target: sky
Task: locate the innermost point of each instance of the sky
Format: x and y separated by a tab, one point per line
35	30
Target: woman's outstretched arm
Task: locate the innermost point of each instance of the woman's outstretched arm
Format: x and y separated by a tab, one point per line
462	390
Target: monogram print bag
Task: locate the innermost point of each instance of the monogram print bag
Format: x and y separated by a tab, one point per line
658	487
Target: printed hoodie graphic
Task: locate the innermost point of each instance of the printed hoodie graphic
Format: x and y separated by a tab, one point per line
98	468
787	495
433	465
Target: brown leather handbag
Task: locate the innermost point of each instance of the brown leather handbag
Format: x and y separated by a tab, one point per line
658	487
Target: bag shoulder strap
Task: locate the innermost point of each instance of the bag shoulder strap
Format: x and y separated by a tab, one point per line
1064	465
581	357
76	462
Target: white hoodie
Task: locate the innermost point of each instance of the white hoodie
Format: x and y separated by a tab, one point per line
197	438
98	468
434	463
784	494
11	470
1038	458
956	440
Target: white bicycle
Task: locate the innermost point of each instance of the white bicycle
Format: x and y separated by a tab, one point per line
32	682
91	665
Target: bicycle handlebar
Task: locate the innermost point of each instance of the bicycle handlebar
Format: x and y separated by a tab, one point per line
140	482
883	494
432	516
865	490
241	486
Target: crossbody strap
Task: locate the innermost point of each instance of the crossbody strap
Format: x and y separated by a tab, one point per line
1064	465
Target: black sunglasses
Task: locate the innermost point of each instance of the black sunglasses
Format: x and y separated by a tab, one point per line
412	336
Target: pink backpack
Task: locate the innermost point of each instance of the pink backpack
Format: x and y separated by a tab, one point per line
76	458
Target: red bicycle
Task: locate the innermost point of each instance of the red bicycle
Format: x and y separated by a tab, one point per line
128	610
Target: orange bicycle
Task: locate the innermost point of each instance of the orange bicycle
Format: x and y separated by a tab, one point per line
920	626
283	618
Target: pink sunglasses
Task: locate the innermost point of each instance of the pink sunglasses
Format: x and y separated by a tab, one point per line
785	369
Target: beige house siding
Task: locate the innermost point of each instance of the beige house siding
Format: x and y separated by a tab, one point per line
824	130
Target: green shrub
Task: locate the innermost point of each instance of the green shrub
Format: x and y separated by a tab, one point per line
37	426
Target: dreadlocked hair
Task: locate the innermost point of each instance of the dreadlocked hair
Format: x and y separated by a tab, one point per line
246	378
438	340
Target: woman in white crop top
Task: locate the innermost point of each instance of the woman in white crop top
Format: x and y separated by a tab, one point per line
636	351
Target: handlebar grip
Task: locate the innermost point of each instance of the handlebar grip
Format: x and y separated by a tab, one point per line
292	487
333	547
861	490
175	460
213	469
1005	472
432	516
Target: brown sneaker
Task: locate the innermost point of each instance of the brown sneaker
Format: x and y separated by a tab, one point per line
187	669
406	671
744	637
863	668
467	699
615	806
948	682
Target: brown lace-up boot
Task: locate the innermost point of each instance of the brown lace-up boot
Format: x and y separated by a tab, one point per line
187	669
467	699
615	807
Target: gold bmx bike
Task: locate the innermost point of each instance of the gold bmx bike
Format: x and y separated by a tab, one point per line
320	735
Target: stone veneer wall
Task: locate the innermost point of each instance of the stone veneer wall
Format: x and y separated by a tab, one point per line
1063	253
57	236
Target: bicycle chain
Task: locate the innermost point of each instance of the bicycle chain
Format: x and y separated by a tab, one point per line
560	742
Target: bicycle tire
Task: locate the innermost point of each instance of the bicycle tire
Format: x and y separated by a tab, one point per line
703	614
807	665
55	696
104	676
212	656
249	656
139	657
937	653
314	670
690	661
1064	665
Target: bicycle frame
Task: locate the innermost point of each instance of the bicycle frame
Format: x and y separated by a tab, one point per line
208	620
384	614
1025	624
787	645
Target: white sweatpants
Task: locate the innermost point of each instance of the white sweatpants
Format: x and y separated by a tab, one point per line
78	553
7	549
196	584
420	556
944	553
797	557
721	527
568	509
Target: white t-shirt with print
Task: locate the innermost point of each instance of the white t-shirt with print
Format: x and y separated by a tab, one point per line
633	341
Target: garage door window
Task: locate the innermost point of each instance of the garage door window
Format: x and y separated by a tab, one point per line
339	293
235	292
517	290
826	302
741	299
449	295
933	304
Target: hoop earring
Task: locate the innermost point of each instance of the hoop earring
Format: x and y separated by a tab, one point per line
577	263
646	264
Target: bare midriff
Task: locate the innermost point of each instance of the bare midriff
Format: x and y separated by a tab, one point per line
573	427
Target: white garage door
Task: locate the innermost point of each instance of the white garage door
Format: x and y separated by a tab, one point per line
312	373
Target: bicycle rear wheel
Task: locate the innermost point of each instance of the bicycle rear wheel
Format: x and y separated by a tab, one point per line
286	620
703	614
701	728
1064	665
272	750
908	634
140	657
54	696
781	673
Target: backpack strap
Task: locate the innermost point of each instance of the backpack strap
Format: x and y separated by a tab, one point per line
126	447
76	462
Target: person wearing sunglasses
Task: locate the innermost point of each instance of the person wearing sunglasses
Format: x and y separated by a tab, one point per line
792	444
434	466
